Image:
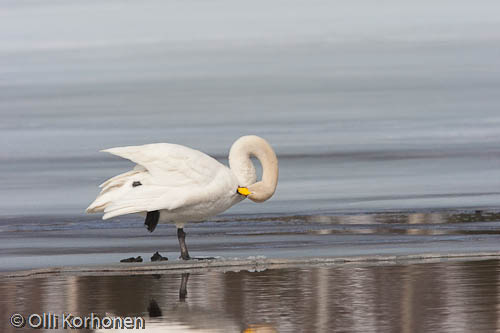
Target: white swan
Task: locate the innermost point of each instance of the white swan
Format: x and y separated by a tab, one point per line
177	184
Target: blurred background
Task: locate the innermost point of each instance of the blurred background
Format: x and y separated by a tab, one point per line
385	105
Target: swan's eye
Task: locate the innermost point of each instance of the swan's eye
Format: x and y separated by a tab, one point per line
136	183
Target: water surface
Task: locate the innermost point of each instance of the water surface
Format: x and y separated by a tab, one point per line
424	297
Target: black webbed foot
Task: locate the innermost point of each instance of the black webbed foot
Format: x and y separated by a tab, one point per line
158	257
204	258
196	258
132	259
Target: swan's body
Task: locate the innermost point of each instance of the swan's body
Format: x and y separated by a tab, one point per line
184	184
177	184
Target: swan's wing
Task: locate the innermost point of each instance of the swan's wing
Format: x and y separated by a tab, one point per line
171	164
172	176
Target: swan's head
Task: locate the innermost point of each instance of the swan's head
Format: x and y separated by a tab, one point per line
257	192
241	165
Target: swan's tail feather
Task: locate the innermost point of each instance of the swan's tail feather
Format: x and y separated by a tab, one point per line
124	206
133	201
100	203
131	192
114	189
120	211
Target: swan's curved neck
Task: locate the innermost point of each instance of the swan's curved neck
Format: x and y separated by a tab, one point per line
241	165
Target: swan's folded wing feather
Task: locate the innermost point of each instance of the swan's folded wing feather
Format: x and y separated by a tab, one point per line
123	176
177	176
171	164
139	200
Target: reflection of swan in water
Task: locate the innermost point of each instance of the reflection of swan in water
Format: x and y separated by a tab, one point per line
155	311
183	287
177	184
183	317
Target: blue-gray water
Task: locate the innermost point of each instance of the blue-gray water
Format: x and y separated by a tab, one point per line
369	106
376	107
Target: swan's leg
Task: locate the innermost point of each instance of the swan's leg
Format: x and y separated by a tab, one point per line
181	236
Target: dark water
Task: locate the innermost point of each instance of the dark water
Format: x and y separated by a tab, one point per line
424	297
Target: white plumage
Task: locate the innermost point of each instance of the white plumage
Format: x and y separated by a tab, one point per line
184	184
